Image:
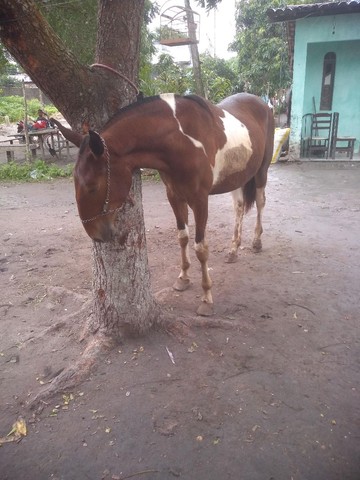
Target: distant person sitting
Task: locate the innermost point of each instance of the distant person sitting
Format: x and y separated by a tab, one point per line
42	121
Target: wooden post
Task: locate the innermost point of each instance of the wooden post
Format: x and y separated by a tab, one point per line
194	51
27	140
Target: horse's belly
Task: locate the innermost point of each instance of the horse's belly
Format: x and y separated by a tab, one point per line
234	156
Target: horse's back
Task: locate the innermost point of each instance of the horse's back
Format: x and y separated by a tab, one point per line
259	120
249	109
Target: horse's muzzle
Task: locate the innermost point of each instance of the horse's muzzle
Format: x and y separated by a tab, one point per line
100	232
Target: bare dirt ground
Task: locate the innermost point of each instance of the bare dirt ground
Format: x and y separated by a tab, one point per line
275	396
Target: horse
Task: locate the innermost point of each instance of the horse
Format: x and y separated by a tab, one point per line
198	148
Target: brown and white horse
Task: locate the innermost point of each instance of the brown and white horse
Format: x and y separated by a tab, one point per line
198	148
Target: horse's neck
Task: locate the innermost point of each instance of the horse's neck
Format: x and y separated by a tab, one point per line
138	142
128	133
152	135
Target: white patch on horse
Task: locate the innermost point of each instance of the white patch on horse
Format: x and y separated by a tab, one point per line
185	257
170	99
236	152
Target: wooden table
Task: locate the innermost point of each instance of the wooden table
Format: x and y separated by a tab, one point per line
56	140
10	148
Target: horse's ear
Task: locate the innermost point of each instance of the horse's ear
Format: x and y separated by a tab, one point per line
95	143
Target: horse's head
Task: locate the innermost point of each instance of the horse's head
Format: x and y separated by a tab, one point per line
95	175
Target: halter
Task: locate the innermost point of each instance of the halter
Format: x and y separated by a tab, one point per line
105	210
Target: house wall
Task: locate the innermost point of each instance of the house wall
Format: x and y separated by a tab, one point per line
32	91
314	37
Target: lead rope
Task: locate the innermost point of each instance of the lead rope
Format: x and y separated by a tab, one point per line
105	210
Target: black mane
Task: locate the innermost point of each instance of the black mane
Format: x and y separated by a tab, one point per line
144	100
131	106
200	101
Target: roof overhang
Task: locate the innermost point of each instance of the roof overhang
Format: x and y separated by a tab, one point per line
291	13
294	12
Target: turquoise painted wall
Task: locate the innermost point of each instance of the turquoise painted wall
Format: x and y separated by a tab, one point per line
314	37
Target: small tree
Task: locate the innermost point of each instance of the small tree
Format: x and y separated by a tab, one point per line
220	76
122	297
168	76
261	48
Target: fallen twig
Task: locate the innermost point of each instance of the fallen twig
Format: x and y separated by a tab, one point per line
143	472
300	306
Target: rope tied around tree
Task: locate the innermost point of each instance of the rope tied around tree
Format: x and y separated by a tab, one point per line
110	69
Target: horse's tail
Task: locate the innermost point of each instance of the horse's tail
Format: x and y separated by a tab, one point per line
249	193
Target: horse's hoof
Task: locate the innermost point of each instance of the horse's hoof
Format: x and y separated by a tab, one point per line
231	257
180	285
257	245
205	309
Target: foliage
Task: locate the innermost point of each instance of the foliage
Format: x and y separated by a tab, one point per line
7	67
75	23
165	76
208	4
220	77
262	62
34	171
147	49
13	107
261	47
3	61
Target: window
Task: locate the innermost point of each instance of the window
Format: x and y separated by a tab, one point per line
328	78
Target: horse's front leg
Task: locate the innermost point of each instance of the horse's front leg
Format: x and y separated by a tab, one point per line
260	204
183	280
180	210
206	307
238	201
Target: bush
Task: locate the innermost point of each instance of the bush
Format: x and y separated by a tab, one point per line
13	107
35	171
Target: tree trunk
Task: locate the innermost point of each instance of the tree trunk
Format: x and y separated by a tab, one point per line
123	304
122	297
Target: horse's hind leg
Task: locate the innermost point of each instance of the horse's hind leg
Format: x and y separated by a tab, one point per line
260	204
238	201
260	183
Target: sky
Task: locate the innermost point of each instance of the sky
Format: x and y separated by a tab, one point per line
217	30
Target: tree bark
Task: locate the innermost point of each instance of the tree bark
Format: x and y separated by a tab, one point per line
123	303
122	299
122	295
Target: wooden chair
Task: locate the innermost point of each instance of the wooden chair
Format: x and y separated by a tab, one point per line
346	143
320	134
305	134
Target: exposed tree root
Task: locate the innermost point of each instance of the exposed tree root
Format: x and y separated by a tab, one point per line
76	373
212	322
183	326
70	323
81	321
